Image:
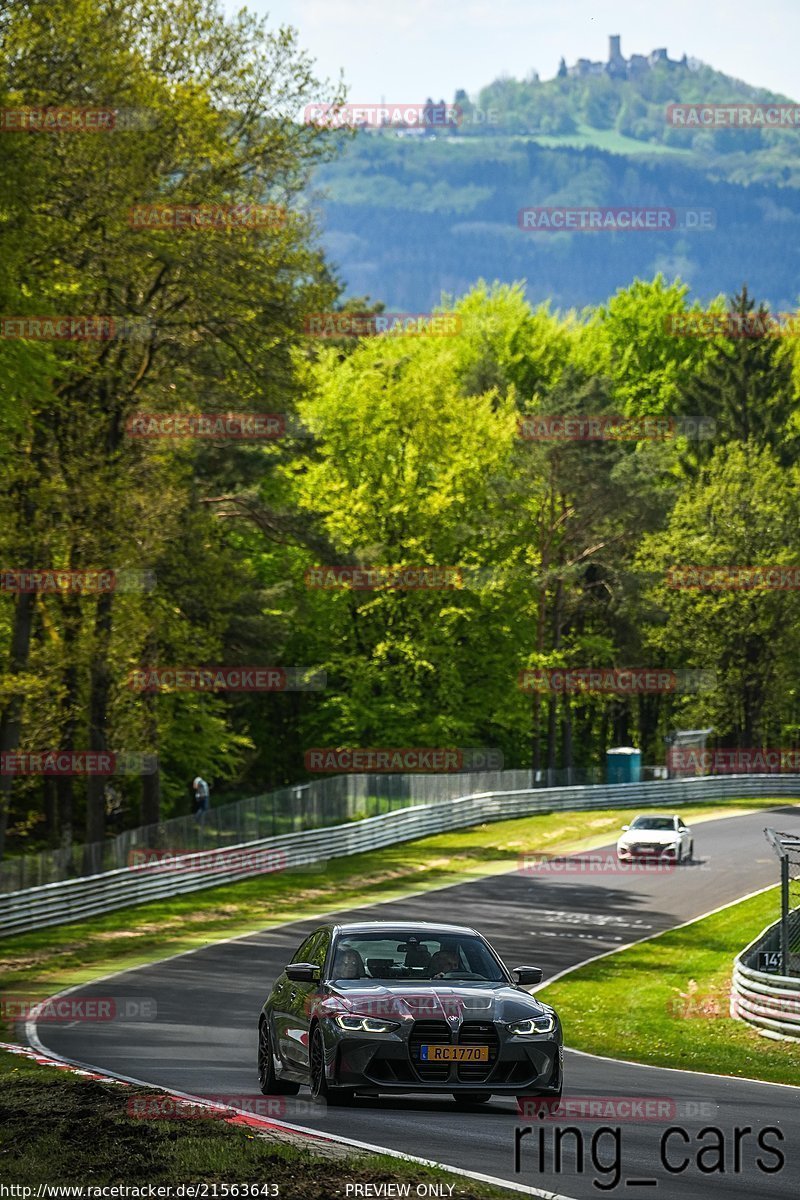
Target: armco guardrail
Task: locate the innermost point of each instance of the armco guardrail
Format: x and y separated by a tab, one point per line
769	1002
73	899
317	804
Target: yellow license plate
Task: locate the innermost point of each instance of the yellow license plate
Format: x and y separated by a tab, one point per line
454	1053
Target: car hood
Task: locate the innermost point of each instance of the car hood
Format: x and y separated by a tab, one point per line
433	1003
653	837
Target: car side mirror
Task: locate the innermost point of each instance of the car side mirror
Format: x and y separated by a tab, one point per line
303	973
525	976
624	827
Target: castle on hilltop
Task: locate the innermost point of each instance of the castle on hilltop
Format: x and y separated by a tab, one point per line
619	67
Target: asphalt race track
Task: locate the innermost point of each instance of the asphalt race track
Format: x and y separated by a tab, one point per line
203	1041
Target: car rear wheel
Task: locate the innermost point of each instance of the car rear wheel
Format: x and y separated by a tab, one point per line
471	1097
268	1081
321	1093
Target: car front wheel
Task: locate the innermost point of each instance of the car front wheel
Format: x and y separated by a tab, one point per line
268	1081
321	1093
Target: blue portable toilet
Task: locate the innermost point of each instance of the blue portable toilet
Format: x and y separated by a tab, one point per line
623	765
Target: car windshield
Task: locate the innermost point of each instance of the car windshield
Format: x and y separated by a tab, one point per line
653	823
421	957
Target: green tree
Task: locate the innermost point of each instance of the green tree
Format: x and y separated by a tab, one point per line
746	385
212	100
741	510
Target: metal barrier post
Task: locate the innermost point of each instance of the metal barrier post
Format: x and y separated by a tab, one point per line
785	915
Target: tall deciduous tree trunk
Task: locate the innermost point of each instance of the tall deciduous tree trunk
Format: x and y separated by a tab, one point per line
552	704
51	812
545	527
11	719
536	716
71	619
151	782
567	726
99	688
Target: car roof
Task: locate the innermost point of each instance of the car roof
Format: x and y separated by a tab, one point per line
402	926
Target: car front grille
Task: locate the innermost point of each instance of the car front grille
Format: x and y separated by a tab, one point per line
478	1033
429	1033
471	1033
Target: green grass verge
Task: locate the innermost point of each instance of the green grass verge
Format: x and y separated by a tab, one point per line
46	960
607	139
59	1128
665	1001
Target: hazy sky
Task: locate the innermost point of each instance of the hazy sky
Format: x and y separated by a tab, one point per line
406	50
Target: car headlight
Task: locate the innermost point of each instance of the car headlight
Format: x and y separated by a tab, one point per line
534	1025
365	1025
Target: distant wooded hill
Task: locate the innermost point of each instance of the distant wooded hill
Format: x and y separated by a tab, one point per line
406	219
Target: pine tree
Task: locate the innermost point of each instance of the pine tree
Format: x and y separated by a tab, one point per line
745	387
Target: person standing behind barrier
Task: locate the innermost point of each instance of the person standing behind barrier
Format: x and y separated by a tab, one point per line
202	796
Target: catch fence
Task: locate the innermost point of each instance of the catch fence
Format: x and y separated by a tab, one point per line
320	804
787	848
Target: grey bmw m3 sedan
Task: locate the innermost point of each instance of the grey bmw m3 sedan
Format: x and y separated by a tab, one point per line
381	1007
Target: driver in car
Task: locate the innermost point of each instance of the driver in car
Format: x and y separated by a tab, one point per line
442	962
348	964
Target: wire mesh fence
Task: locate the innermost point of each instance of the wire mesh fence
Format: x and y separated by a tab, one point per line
787	848
323	802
